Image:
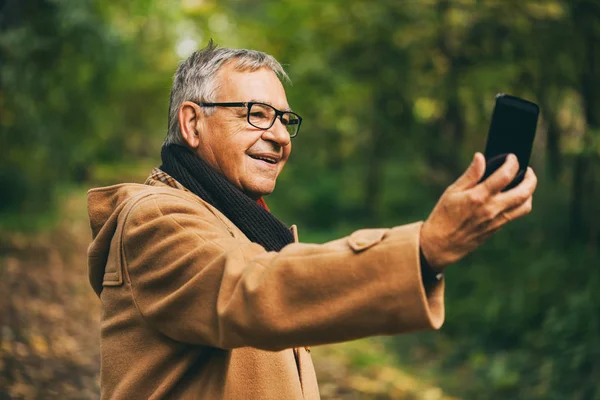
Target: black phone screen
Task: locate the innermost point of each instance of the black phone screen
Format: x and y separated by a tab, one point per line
512	130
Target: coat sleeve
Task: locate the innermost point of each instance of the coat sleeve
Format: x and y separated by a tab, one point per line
195	283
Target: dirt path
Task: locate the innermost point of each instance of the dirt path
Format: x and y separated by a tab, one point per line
48	315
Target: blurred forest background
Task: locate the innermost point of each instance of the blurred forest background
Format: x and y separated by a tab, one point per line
396	97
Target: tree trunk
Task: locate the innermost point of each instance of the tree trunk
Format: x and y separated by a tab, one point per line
577	223
447	140
554	159
373	178
553	151
584	223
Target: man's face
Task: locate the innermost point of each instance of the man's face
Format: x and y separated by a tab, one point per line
235	148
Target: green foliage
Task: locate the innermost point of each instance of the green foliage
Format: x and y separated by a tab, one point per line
43	91
65	103
396	97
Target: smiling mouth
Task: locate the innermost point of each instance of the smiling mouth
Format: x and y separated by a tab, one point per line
267	159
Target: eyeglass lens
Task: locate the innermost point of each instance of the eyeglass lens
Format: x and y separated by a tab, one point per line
263	116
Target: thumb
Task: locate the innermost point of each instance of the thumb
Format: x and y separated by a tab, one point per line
472	175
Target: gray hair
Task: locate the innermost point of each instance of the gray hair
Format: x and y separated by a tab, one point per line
196	79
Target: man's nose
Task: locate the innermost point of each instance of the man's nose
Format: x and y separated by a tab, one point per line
277	133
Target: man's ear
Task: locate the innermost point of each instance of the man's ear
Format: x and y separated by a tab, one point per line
190	120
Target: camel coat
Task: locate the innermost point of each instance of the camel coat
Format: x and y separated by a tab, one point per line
193	310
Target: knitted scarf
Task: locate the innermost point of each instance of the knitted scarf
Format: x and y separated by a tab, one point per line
258	224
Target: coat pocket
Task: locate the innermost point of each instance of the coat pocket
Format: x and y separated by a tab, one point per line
113	272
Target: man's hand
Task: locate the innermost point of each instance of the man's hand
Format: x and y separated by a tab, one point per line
468	213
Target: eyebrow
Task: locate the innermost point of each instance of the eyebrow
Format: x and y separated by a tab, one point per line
269	103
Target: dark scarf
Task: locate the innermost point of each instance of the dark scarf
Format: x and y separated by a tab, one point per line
258	224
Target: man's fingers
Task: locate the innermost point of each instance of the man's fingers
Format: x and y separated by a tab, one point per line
502	176
472	175
519	194
510	215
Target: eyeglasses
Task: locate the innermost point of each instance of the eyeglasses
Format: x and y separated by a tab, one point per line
263	116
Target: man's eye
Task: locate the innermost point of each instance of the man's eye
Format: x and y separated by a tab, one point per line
258	114
285	121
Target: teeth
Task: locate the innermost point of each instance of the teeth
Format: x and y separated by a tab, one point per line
269	160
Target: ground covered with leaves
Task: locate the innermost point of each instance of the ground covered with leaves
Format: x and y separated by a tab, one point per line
49	337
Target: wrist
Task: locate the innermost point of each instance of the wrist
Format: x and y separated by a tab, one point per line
428	273
427	253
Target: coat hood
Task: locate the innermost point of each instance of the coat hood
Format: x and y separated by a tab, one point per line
105	205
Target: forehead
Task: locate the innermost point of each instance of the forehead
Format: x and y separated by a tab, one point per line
260	85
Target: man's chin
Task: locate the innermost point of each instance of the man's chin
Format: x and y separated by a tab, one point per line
257	191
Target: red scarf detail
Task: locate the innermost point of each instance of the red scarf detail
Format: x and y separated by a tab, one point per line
261	202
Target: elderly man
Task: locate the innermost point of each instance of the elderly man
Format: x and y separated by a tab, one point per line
206	295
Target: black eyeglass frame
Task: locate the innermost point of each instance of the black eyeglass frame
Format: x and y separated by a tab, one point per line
249	105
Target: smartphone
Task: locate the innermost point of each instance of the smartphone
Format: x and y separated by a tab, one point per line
512	130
